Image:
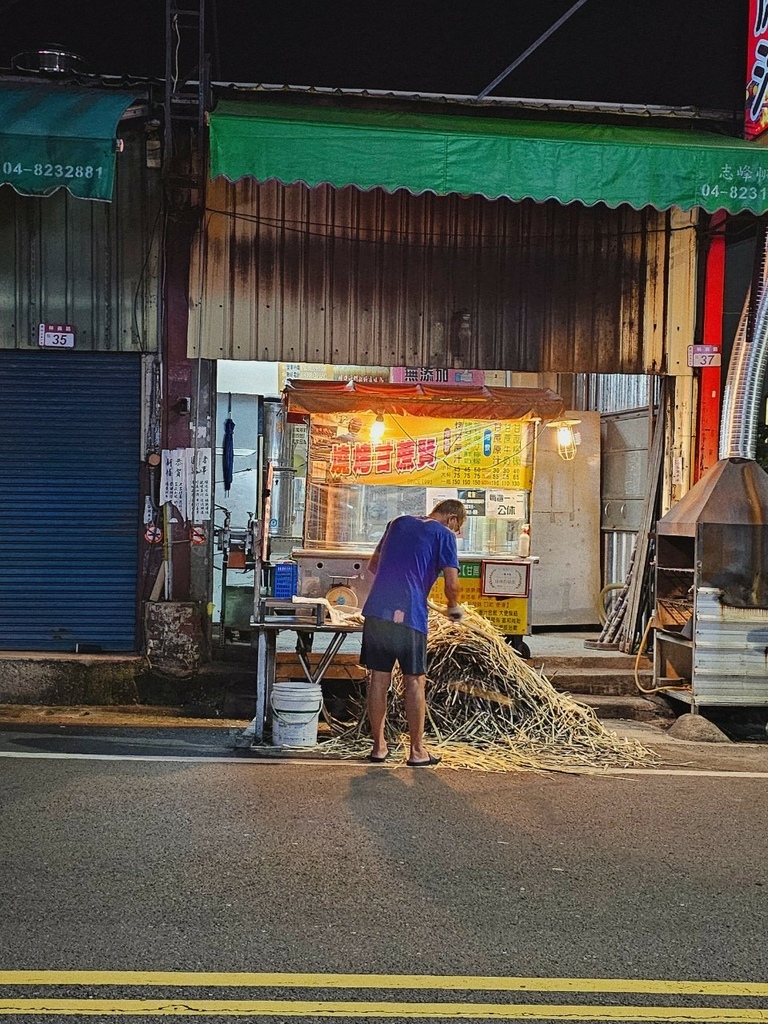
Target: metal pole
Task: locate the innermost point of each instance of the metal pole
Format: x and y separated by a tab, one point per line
534	46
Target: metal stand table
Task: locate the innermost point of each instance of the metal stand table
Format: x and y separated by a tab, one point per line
266	644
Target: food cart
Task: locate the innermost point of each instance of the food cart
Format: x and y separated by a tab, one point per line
381	450
376	451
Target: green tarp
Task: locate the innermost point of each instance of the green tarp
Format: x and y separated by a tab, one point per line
55	137
489	156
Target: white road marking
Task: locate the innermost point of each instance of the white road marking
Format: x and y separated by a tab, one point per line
339	763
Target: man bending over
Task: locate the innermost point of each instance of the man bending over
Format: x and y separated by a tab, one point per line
408	559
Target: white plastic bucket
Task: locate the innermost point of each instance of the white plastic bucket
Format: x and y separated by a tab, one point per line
295	713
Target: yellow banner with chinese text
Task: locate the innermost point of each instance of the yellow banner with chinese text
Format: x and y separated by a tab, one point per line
509	615
359	448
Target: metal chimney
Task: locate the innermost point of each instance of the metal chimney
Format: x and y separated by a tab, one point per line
744	384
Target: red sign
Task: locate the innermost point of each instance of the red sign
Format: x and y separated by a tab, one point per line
756	110
402	455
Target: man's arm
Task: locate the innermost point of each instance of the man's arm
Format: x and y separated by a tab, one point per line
373	561
451	583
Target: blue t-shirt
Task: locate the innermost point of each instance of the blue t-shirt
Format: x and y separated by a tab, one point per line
414	551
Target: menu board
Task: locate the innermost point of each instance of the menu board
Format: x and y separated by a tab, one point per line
424	451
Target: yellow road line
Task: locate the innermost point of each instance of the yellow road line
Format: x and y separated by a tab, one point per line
421	1011
464	983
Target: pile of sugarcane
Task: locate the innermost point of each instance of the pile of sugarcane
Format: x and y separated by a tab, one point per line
488	709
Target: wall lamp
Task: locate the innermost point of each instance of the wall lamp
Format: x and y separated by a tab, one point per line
566	439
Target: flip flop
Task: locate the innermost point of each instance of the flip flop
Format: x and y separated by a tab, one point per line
433	759
377	760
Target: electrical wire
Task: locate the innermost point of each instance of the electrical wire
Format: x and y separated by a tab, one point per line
602	614
202	270
316	229
140	281
177	48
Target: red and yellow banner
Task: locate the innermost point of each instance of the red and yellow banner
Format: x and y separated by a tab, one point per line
420	451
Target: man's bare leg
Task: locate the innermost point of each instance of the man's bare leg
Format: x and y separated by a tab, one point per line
378	686
415	713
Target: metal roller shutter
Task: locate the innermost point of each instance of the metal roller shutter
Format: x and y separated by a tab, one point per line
70	427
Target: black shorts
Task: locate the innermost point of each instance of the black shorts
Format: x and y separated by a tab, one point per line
385	642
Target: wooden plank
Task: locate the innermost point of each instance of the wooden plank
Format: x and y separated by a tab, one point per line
157	588
640	585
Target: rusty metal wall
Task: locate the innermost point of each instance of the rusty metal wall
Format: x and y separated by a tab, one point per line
328	275
90	264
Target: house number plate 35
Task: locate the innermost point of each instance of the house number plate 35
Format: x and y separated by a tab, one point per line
56	336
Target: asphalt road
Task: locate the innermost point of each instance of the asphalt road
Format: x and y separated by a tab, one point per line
638	885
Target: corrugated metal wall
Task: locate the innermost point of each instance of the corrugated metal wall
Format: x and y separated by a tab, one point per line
90	264
342	276
70	435
612	392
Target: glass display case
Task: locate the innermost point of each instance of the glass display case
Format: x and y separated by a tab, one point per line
352	517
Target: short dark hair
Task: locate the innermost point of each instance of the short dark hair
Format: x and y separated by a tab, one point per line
451	507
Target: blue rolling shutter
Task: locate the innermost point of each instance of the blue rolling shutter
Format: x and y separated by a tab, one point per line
69	456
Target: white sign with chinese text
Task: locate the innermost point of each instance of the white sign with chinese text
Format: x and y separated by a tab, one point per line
185	482
505	579
202	484
505	504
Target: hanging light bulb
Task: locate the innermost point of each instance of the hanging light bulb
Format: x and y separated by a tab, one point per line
377	429
566	439
566	445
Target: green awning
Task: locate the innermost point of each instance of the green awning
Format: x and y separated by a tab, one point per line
492	157
55	137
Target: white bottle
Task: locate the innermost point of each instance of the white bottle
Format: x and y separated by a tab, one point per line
524	543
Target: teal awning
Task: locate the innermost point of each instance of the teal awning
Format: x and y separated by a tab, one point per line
55	137
492	157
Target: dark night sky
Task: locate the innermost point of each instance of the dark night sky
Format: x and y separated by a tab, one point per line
677	52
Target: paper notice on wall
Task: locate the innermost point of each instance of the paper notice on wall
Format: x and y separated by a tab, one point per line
506	504
185	482
202	481
173	479
437	494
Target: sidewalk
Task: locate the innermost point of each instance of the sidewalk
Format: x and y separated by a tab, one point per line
746	752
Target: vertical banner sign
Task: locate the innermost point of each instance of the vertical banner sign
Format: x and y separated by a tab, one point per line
756	110
185	482
201	511
173	480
